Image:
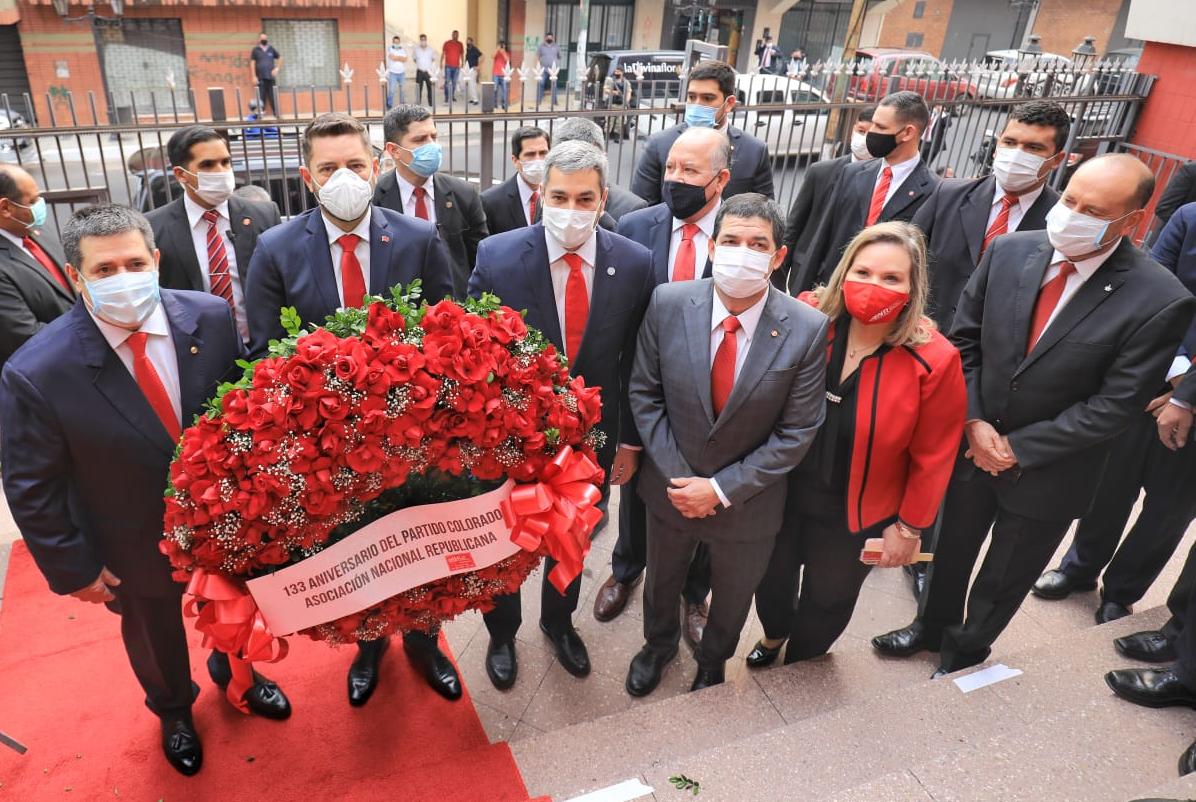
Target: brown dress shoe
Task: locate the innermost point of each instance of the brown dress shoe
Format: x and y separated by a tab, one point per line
611	598
695	622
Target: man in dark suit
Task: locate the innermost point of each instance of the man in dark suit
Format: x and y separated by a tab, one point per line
891	187
207	236
727	392
416	188
677	232
618	200
817	185
1180	191
373	250
568	274
515	203
710	97
90	412
34	288
1064	335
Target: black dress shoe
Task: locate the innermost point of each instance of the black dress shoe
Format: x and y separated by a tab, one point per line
363	673
1111	611
1054	585
939	673
180	744
645	672
707	678
761	655
1150	688
1187	761
1150	646
905	641
570	649
437	669
501	665
917	578
264	697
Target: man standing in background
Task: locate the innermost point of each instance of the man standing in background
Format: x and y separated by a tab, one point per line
473	57
548	55
425	62
451	55
396	72
266	63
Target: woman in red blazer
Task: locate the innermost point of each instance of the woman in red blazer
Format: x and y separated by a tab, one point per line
895	407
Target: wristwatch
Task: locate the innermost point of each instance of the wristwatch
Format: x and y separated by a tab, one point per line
907	532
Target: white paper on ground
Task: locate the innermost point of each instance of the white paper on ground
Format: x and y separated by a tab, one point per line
985	677
621	792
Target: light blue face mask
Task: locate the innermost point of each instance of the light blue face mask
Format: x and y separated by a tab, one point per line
39	213
699	116
126	299
425	160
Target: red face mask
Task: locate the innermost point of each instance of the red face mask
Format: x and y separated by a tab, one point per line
871	303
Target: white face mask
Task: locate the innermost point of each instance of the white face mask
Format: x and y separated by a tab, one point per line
214	188
1074	234
570	228
346	195
1015	169
859	146
739	271
533	172
126	299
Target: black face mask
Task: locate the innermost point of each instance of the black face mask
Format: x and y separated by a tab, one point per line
684	200
263	42
881	145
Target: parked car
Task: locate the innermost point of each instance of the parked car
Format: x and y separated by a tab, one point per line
1011	73
882	70
660	69
11	120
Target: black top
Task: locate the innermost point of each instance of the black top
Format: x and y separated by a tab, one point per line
472	55
263	61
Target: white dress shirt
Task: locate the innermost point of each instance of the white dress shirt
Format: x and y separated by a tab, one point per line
396	67
407	191
559	269
362	251
900	173
525	195
425	58
1017	212
1083	272
159	347
749	319
701	240
199	240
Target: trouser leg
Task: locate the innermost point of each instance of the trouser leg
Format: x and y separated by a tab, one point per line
670	551
156	644
832	576
735	573
775	597
503	621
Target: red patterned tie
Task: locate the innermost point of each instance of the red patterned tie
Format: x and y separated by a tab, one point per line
577	306
722	372
1000	224
532	202
151	385
684	264
421	206
878	195
1048	299
43	259
218	275
352	282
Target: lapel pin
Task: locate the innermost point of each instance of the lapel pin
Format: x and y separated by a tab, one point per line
195	349
1108	288
911	193
448	204
775	333
245	221
385	238
610	271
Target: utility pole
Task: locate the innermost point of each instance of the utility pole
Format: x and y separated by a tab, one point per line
855	30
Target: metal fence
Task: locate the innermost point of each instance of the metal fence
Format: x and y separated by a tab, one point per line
79	157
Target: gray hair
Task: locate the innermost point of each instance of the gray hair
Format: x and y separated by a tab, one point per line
579	129
753	206
103	220
574	157
718	142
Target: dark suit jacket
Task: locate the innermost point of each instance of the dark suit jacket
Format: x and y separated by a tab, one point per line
292	266
848	211
503	207
459	219
179	268
805	215
85	458
653	228
1176	251
954	219
751	165
29	296
620	202
1180	191
1090	374
514	266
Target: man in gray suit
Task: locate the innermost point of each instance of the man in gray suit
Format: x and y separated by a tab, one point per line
727	392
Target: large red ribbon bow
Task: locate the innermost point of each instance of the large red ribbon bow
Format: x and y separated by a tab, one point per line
232	623
560	511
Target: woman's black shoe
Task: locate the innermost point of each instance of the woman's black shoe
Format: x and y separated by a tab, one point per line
761	656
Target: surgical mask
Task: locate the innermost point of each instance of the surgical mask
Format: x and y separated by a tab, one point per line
425	160
699	116
859	146
871	303
880	145
739	271
38	210
570	228
346	195
533	172
684	200
214	188
1015	169
126	299
1074	234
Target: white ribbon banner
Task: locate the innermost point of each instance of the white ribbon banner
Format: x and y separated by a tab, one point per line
403	550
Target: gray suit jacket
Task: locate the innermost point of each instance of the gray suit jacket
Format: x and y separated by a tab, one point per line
29	297
776	406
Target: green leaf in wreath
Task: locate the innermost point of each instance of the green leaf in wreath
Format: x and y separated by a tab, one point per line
683	783
292	324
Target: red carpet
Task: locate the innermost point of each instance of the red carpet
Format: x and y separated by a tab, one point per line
68	694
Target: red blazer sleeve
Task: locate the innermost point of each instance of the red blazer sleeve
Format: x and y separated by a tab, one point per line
935	443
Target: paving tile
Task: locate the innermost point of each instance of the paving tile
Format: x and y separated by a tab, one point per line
534	664
901	786
563	699
523	731
461	630
499	726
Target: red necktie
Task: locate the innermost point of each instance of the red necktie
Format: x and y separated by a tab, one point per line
878	195
421	206
43	259
1000	224
722	372
683	265
151	385
1048	299
577	306
352	283
531	207
221	281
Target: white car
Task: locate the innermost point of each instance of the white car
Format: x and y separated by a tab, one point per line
1001	71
